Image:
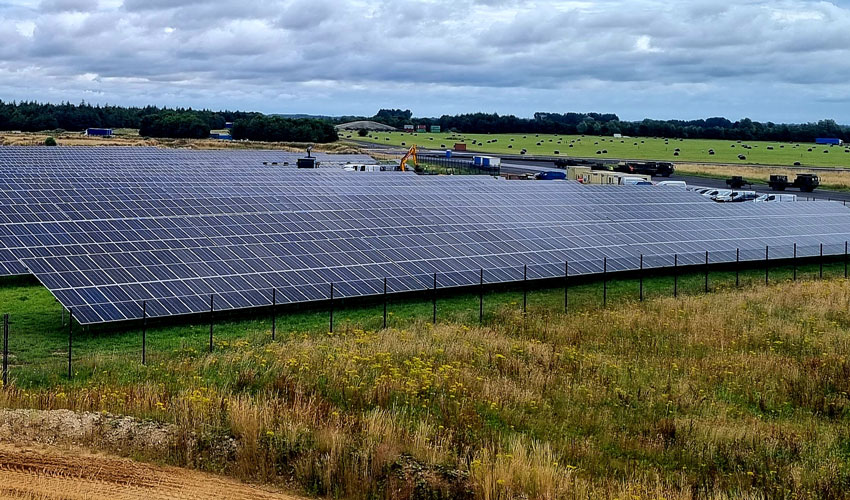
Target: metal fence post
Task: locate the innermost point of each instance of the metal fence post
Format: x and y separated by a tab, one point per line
481	296
675	275
566	286
70	340
766	264
385	303
5	350
434	302
331	318
706	271
604	281
794	260
640	278
212	308
820	263
524	287
845	260
274	312
737	267
144	332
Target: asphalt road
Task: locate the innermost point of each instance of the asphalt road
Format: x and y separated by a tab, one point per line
520	167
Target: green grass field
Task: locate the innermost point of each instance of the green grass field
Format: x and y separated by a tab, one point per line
739	393
694	150
39	333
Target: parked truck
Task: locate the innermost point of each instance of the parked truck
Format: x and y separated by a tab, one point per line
804	182
653	168
737	182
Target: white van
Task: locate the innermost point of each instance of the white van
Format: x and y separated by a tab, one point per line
776	198
634	181
678	184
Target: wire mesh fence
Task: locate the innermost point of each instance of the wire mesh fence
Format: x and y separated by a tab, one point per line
138	343
455	166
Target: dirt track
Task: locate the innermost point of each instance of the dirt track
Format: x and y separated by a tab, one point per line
48	474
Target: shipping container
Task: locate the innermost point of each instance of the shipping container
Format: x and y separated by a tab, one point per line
486	161
435	129
460	146
100	132
829	140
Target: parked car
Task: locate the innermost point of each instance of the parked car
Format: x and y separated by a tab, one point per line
737	197
714	193
776	198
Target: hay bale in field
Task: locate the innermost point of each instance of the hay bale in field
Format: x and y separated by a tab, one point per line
557	152
742	157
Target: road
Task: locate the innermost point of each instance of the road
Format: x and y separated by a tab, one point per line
521	167
513	165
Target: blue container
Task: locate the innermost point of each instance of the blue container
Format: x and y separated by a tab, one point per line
448	153
828	140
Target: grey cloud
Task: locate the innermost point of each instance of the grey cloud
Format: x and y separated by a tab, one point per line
541	54
68	5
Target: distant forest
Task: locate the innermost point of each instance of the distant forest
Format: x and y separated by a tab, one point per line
608	124
154	121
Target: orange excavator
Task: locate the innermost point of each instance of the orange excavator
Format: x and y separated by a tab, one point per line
411	153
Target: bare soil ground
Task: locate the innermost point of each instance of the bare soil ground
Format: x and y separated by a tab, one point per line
77	139
44	454
39	472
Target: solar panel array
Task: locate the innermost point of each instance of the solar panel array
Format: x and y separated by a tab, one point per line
106	229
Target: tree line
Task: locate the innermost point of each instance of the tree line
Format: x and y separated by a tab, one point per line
609	124
153	121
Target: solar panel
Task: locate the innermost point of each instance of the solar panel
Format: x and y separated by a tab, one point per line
105	229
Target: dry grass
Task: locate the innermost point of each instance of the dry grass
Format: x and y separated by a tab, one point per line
832	179
736	394
131	138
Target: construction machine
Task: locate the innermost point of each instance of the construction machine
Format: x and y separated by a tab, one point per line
411	153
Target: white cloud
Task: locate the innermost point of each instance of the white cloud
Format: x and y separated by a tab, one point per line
353	56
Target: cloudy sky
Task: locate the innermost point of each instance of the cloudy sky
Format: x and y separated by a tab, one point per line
784	60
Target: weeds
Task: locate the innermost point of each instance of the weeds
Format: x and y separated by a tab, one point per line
738	393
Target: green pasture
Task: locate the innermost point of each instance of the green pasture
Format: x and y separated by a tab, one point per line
637	148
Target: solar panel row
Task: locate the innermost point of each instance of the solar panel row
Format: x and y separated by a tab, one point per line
108	228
